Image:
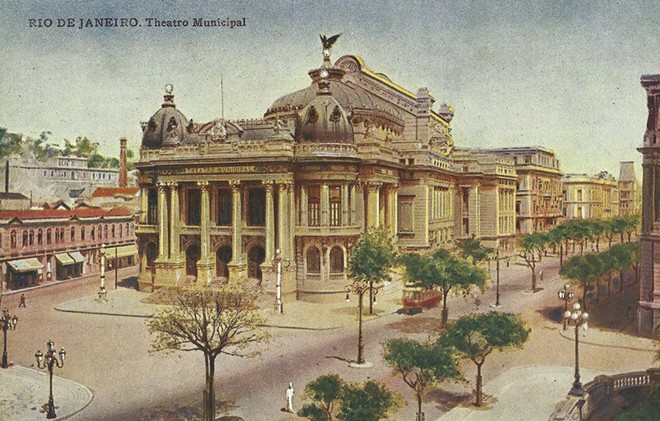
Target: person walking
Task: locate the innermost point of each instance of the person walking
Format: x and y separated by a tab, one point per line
289	398
22	301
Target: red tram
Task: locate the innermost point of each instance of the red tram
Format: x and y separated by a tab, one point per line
416	298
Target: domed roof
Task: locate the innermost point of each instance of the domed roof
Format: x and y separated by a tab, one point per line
350	96
168	127
324	120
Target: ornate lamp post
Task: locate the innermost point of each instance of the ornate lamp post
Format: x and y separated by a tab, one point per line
277	261
8	323
497	259
103	294
579	319
566	295
359	288
50	362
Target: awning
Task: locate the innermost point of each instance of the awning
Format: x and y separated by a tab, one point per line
64	259
25	265
77	256
121	251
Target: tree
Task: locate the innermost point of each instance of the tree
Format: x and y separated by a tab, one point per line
621	259
532	245
631	225
326	392
370	401
556	237
372	257
618	226
472	248
444	271
584	270
213	321
475	336
422	365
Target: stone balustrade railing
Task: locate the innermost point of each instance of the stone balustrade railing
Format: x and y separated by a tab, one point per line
599	390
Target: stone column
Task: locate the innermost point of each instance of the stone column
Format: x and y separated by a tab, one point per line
270	222
373	204
392	209
144	204
325	205
237	269
292	224
205	265
345	216
283	222
304	202
353	205
175	222
163	243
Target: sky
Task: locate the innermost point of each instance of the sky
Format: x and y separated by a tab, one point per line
561	74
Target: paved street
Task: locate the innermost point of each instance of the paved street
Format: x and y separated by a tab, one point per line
109	354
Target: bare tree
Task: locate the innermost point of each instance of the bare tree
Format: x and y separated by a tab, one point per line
211	320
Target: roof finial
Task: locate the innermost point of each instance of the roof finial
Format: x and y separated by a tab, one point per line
327	46
169	96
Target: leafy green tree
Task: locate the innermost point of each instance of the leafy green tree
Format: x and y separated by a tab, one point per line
444	271
631	225
472	248
370	401
372	257
325	392
475	336
618	226
584	270
557	236
597	230
10	143
621	260
532	246
213	321
422	365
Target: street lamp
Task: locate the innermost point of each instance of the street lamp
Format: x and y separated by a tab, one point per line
566	295
580	319
278	264
359	288
103	294
51	360
497	267
8	323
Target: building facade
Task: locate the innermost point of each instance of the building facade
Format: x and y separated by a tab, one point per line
350	152
61	177
630	191
538	191
649	285
587	197
38	246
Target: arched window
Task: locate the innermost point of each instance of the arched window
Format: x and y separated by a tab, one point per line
336	260
73	234
49	236
40	237
105	231
82	233
93	233
313	260
25	238
112	229
31	237
12	239
128	232
121	233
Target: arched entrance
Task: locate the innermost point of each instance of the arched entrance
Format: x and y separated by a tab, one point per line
222	259
192	257
256	257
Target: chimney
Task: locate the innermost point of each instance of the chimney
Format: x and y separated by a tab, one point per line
6	176
123	172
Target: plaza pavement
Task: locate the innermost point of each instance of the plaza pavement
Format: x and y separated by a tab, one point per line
25	390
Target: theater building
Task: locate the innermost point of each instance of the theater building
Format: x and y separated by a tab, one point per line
649	284
350	152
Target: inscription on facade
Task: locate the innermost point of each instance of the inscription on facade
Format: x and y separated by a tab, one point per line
224	170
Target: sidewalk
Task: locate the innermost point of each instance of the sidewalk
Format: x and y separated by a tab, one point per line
521	394
25	393
128	302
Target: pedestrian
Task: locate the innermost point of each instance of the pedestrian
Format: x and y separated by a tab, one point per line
289	398
22	302
541	274
477	301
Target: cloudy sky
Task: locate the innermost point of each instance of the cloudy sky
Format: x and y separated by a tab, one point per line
561	74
